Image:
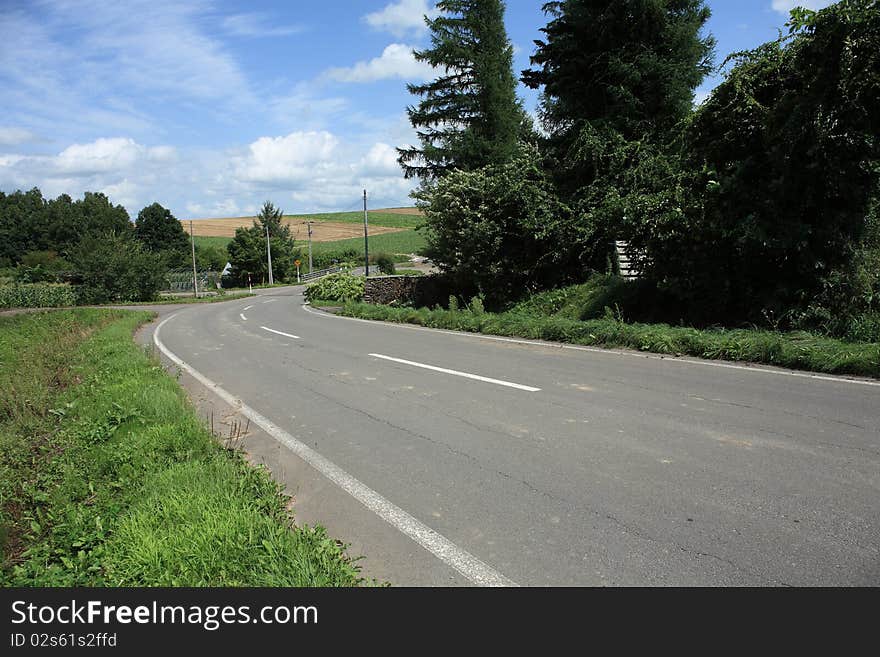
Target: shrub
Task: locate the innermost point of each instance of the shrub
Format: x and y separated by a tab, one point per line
36	295
337	287
385	263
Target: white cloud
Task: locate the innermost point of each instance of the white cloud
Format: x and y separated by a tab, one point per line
162	153
257	25
380	160
125	193
785	6
10	136
296	156
396	61
402	17
100	156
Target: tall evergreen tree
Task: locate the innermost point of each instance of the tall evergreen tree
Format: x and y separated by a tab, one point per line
469	116
630	64
615	73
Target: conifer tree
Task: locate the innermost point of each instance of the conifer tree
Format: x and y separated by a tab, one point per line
469	116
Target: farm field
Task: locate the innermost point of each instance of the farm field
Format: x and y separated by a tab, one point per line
325	227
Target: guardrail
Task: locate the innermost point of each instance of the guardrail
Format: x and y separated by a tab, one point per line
321	272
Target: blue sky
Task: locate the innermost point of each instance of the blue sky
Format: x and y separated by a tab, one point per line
210	108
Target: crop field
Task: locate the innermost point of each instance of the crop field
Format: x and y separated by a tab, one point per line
329	227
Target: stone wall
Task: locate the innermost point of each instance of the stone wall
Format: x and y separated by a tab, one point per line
413	290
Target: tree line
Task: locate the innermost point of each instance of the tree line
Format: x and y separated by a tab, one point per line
94	245
757	205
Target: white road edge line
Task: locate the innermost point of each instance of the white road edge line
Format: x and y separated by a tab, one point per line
461	560
242	316
476	377
599	350
286	335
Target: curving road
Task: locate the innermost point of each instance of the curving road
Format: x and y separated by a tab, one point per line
457	459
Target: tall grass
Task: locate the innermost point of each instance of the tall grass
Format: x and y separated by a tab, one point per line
108	478
797	350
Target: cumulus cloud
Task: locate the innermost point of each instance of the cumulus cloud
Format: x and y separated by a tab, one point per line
293	157
126	171
402	17
396	61
381	160
785	6
99	156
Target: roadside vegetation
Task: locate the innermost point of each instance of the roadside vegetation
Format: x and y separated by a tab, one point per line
750	220
107	477
534	320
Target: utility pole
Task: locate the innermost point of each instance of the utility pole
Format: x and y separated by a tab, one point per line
192	239
309	224
366	241
269	254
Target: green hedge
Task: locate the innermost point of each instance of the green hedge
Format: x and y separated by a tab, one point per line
37	295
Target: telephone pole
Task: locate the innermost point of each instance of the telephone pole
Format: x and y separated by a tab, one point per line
309	224
366	241
269	254
192	240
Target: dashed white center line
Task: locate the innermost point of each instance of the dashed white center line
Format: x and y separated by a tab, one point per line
248	307
466	375
286	335
242	316
269	301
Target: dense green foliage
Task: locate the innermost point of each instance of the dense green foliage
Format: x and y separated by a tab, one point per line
337	287
248	251
116	268
28	222
498	231
108	478
761	211
469	116
612	69
159	231
37	295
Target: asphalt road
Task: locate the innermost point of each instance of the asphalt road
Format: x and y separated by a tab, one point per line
547	465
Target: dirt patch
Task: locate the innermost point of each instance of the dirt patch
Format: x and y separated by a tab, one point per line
322	231
415	212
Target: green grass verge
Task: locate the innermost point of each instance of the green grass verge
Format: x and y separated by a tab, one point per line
796	350
108	478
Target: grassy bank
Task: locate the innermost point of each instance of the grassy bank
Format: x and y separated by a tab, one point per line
107	477
797	350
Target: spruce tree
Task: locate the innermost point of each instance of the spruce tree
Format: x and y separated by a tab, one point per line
625	66
469	116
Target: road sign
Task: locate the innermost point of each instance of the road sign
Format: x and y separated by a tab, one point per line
297	263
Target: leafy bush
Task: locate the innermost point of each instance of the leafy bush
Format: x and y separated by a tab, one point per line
337	287
497	231
36	295
117	268
385	263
